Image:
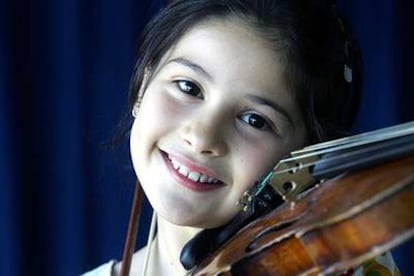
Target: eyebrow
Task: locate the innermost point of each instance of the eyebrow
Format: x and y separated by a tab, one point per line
192	65
280	109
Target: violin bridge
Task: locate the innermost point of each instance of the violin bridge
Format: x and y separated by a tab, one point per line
293	176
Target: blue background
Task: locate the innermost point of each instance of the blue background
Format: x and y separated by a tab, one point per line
64	72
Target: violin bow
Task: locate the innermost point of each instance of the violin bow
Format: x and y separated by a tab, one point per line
132	230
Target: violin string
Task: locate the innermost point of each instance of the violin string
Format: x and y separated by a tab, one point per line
384	133
340	156
321	162
352	141
151	236
390	132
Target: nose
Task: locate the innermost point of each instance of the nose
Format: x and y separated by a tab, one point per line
205	135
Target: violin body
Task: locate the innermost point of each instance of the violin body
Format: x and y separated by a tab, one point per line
335	225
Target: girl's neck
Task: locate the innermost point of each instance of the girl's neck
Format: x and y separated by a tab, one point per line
164	258
169	241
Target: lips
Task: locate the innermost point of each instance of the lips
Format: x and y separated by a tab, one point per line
192	175
196	179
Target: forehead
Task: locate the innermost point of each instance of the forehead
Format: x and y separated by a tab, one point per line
233	47
233	42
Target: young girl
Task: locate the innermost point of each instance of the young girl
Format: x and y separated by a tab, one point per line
223	89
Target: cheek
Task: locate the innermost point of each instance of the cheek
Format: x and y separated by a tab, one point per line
156	118
254	159
156	114
136	145
253	162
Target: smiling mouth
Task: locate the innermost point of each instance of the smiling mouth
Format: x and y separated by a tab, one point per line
192	175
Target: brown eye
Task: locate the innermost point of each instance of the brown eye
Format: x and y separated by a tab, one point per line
255	121
189	87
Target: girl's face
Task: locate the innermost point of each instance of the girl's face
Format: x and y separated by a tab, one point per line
216	117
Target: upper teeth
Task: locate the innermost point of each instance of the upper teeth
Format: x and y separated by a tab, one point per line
194	176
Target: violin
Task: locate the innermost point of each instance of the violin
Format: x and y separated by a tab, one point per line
309	215
326	208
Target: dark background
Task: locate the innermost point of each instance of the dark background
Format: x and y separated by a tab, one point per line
64	72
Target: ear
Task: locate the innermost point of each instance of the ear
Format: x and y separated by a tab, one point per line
141	92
